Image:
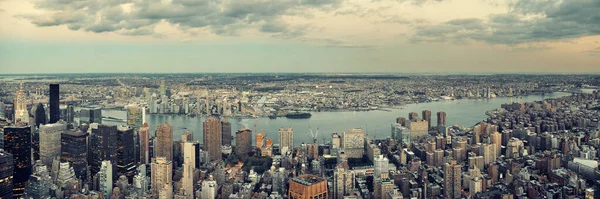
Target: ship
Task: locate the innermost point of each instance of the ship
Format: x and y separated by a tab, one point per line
298	115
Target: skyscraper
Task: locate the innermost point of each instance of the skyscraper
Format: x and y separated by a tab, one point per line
354	143
105	176
50	142
413	116
70	114
441	118
209	189
20	106
102	146
260	140
125	152
243	141
164	142
226	130
6	175
74	151
212	138
39	115
307	187
162	174
343	182
189	164
427	117
17	141
286	140
381	167
144	144
96	116
54	103
452	180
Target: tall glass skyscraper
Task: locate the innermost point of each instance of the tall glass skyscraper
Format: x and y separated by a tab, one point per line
54	103
17	141
74	150
6	174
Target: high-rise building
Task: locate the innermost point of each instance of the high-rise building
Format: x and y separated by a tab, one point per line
70	114
452	180
226	130
209	189
189	164
441	118
401	121
343	182
413	116
6	175
496	138
125	152
188	136
243	141
336	143
134	116
74	151
308	187
354	143
20	106
164	142
50	142
286	140
96	116
140	181
102	146
144	138
162	174
400	133
54	103
105	178
427	117
417	129
39	115
260	140
381	167
212	138
17	141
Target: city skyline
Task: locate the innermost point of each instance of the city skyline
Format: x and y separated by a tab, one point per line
329	36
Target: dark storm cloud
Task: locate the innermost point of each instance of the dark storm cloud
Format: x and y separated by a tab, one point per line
528	21
223	17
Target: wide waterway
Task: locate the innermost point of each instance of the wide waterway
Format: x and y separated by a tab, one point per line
465	112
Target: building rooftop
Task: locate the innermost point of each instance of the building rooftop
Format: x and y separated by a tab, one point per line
308	179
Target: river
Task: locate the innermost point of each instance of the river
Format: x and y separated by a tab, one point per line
465	112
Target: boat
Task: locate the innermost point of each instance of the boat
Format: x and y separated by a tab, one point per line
298	115
272	116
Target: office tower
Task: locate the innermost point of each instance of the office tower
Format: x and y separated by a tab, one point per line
354	143
6	175
400	133
144	144
243	141
164	142
336	143
9	111
212	138
35	145
102	146
50	142
417	129
496	138
20	106
54	103
401	121
140	180
441	118
162	174
209	189
105	178
343	182
125	152
260	140
226	130
427	117
189	164
70	114
452	180
96	116
17	141
381	167
307	187
39	115
489	153
74	151
188	136
286	140
134	116
413	116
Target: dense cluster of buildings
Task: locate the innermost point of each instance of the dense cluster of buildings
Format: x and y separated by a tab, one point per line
545	149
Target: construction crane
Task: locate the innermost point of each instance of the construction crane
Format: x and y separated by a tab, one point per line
314	135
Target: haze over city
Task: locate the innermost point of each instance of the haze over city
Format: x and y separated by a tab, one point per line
410	36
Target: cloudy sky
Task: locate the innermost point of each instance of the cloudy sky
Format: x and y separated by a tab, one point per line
399	36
